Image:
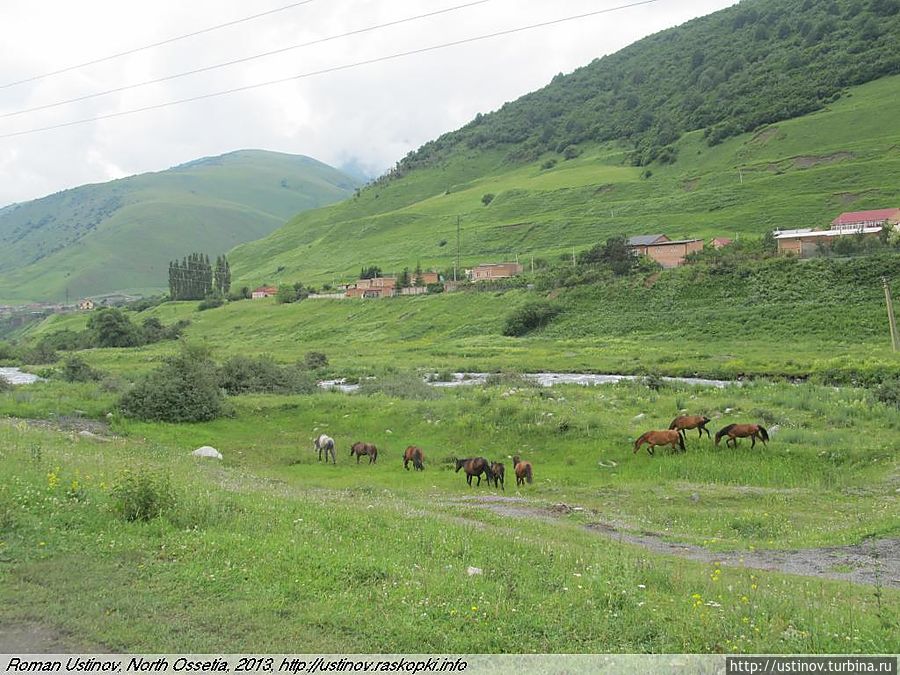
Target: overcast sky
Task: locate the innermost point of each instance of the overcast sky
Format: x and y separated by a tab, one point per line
372	114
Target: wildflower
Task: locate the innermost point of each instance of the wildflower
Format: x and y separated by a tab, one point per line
745	599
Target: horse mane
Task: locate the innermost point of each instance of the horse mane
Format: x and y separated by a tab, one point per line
724	430
641	439
763	432
674	423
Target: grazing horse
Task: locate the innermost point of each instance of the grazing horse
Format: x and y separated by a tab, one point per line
736	431
359	449
498	471
697	422
325	445
523	471
669	437
475	466
416	456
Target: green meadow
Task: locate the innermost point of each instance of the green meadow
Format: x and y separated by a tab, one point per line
269	549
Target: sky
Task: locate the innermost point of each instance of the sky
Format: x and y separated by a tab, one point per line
370	115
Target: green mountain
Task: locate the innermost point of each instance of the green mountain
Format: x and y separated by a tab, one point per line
120	236
767	114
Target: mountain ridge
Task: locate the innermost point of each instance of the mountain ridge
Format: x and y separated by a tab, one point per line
78	241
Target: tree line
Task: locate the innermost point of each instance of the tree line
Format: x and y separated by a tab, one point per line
194	278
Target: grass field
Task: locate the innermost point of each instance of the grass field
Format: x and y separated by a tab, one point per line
270	549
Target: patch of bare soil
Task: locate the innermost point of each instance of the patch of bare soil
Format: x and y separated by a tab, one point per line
690	185
650	281
809	161
875	562
764	136
36	638
66	423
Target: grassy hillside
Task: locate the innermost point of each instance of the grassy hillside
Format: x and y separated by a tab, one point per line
797	173
121	235
781	318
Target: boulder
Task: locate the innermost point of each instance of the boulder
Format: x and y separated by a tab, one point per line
207	451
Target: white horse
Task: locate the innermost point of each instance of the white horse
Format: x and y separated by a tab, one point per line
325	444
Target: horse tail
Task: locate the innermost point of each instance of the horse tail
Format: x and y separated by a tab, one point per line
674	424
763	432
722	432
528	472
640	441
681	442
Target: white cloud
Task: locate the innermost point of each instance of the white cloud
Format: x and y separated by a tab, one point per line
373	114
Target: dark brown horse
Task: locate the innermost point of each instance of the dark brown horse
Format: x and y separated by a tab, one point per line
475	466
416	456
697	422
669	437
523	471
359	449
498	472
736	431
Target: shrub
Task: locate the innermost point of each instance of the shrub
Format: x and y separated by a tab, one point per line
488	198
76	369
184	389
112	328
142	495
41	354
508	379
5	385
399	385
888	392
245	374
315	360
571	152
549	164
211	302
530	316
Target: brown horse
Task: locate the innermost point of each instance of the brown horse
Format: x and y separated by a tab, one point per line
359	449
697	422
416	456
736	431
670	437
523	471
475	466
498	471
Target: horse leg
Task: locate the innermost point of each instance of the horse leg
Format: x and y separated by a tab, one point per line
357	458
752	441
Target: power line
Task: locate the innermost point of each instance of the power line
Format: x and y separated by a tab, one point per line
242	60
333	69
156	44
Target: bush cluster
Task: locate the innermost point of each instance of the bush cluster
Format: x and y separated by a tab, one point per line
530	316
142	496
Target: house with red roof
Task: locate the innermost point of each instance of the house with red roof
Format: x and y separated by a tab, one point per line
862	219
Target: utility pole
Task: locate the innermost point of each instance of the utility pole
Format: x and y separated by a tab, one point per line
573	256
457	249
892	321
532	264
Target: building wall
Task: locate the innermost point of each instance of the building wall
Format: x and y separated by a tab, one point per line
672	255
500	271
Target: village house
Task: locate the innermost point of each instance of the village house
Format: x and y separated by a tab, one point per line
86	305
720	242
805	242
488	271
264	292
663	250
379	287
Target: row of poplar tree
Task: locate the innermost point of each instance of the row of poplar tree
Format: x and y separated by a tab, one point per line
194	278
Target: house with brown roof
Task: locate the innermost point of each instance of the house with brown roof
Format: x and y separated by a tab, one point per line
720	242
379	287
488	271
663	250
264	292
